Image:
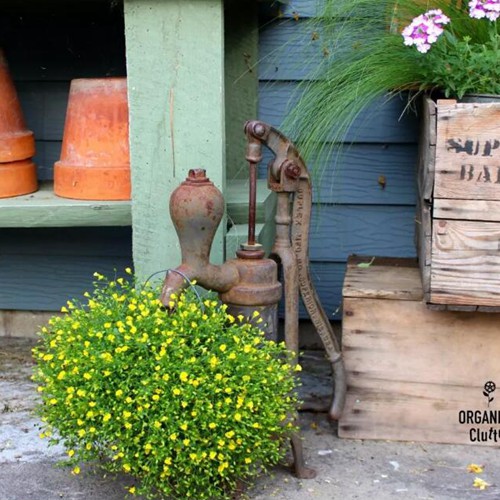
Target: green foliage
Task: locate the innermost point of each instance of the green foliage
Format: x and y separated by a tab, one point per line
367	62
188	402
458	66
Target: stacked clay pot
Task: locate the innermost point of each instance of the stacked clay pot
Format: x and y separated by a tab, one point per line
17	144
95	159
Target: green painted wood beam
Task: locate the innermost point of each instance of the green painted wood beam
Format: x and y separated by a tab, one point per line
175	68
44	209
241	80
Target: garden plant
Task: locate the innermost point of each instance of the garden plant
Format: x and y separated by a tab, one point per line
374	51
191	402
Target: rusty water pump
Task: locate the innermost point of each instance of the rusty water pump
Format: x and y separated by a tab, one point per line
250	282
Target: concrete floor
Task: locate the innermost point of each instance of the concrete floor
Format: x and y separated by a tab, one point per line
346	469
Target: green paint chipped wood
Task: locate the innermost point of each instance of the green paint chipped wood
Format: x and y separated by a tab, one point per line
175	68
44	209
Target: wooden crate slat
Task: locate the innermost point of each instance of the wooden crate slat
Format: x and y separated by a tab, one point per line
427	150
473	210
468	151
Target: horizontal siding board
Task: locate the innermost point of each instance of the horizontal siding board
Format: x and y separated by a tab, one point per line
338	231
290	50
291	9
46	282
360	175
59	242
383	122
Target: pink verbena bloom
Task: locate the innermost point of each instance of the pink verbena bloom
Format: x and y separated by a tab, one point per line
485	8
425	29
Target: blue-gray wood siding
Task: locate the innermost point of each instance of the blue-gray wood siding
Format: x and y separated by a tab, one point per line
353	212
47	46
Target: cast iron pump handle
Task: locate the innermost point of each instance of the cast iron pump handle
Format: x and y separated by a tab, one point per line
288	177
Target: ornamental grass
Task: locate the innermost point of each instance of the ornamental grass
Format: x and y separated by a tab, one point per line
190	402
374	51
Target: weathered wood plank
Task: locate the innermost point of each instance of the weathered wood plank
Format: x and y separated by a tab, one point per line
465	263
44	209
423	237
398	281
176	103
468	151
473	210
340	230
457	237
427	149
411	370
393	125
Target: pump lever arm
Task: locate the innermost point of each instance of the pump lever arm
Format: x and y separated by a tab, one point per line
288	174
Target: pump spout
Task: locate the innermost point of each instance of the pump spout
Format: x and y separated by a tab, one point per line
196	209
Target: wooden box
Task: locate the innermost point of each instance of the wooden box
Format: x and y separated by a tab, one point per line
415	374
458	221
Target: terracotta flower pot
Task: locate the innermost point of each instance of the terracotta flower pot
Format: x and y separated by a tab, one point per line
95	160
16	142
17	178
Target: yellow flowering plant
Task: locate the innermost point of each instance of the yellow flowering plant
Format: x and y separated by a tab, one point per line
189	402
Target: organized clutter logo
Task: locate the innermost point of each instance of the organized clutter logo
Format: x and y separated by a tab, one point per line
484	424
489	388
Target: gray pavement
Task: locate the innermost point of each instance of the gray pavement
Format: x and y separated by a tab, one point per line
347	469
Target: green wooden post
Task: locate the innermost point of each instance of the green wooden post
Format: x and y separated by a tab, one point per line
175	68
241	81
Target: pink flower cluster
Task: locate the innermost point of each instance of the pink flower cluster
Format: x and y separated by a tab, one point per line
426	29
485	8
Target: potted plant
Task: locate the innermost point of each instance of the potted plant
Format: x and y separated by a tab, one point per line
377	50
190	402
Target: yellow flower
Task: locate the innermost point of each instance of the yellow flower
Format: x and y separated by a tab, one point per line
71	453
119	393
212	425
184	427
298	368
155	397
176	391
183	376
131	490
126	467
128	270
186	442
237	417
81	432
76	470
480	483
476	469
248	460
223	347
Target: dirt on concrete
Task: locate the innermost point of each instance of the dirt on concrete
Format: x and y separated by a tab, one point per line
346	469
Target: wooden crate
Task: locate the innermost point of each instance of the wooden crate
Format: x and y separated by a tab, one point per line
411	370
458	221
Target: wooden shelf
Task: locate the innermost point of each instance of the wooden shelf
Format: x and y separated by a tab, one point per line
44	209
